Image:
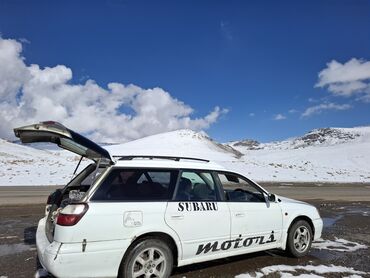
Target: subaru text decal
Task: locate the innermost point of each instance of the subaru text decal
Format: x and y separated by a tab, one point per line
234	243
197	206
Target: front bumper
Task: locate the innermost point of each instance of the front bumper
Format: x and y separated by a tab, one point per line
318	225
100	259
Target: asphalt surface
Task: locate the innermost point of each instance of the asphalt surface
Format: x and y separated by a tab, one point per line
348	218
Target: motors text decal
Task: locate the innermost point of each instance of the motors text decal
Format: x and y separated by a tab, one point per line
234	243
197	206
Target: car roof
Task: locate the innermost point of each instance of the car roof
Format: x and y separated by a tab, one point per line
170	164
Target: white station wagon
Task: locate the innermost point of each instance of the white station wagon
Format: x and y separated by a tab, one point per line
139	216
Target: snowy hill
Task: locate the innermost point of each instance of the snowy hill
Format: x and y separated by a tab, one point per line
316	137
322	155
329	154
24	165
184	142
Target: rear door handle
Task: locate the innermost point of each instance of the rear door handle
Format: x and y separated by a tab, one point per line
239	214
177	217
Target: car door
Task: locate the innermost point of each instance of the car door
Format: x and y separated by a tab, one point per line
256	223
196	214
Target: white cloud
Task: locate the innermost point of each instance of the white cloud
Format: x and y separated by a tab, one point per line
292	111
30	94
252	114
317	109
24	40
279	117
312	100
348	79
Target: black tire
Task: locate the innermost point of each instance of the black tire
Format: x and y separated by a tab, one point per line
298	244
149	265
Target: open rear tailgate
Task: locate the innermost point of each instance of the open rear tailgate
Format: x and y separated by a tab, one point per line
65	138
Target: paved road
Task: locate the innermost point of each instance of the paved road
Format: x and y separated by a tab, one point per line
301	191
322	191
10	195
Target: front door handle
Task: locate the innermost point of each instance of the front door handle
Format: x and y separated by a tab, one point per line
239	214
177	217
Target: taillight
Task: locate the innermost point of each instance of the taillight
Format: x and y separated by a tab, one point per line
71	214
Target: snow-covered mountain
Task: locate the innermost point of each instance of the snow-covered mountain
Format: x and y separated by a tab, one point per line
316	137
322	155
327	154
183	142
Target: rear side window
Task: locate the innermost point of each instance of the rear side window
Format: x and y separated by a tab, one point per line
137	185
196	186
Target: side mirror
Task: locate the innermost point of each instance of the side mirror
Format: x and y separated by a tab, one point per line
272	197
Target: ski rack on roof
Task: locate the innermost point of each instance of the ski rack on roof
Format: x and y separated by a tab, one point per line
175	158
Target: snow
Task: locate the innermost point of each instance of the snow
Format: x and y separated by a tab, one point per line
336	163
185	143
341	155
323	155
24	165
335	160
341	245
291	271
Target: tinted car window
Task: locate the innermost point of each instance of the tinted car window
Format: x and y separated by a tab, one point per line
196	186
137	185
239	189
89	180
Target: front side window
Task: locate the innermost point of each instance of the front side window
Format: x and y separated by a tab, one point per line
137	185
239	189
196	186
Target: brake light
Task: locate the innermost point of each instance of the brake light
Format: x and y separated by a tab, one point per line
71	214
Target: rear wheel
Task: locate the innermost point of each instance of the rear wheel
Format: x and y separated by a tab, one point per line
150	258
299	239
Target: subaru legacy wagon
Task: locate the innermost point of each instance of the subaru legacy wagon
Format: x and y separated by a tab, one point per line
140	216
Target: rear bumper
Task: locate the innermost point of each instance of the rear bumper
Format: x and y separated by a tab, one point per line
100	259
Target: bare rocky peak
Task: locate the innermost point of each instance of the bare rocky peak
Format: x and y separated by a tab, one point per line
248	143
325	135
316	137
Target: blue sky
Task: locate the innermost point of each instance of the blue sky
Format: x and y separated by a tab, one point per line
258	59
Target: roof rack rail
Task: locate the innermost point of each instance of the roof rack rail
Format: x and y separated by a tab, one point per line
175	158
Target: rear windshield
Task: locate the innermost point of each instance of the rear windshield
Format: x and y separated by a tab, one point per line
137	185
86	177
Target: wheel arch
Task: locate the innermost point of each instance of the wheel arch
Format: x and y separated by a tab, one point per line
305	218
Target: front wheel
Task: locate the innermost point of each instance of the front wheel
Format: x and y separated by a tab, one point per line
299	239
150	258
